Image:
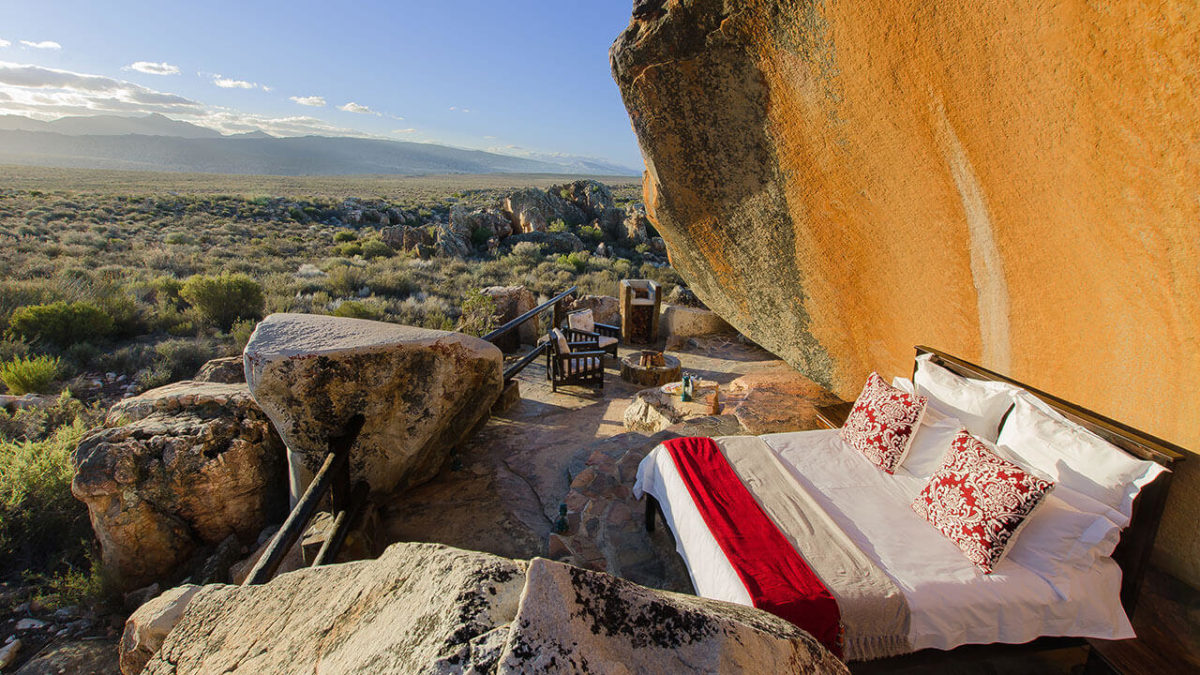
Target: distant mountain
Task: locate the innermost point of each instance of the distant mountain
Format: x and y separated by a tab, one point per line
110	125
254	153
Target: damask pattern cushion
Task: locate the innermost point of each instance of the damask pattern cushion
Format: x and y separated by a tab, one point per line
883	423
980	501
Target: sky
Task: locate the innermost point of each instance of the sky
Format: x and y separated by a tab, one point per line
523	77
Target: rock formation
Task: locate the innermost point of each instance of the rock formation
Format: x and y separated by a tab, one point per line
511	302
605	308
228	370
421	391
433	609
178	468
1012	184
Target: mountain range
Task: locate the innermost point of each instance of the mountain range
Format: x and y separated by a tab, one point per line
158	143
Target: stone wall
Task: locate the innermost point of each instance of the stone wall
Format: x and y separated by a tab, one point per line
1014	183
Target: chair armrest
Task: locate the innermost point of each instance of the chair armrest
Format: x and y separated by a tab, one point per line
583	355
610	331
585	344
577	331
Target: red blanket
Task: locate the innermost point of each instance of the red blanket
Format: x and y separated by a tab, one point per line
777	578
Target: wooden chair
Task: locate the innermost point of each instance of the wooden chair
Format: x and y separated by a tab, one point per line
582	326
579	362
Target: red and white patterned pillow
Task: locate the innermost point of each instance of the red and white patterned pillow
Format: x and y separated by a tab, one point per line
980	500
883	422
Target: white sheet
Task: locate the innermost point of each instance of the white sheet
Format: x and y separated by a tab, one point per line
951	601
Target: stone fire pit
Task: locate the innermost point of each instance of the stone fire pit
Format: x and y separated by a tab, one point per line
645	372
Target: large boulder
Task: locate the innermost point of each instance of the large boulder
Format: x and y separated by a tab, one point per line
576	620
511	302
406	238
532	210
592	197
1012	183
228	370
605	308
149	625
420	391
417	608
174	470
433	609
465	223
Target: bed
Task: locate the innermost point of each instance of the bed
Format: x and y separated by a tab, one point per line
838	496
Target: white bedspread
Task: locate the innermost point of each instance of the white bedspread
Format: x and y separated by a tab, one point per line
951	601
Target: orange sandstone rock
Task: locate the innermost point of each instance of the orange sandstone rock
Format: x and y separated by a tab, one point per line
1014	183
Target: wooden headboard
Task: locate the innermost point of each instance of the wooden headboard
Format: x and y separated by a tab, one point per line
1137	540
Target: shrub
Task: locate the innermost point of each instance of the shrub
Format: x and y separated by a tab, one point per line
375	248
480	236
592	233
345	281
42	526
348	249
180	358
358	310
478	314
61	324
344	235
224	299
557	225
29	375
527	251
241	332
575	262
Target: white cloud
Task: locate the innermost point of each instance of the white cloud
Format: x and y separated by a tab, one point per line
4	43
45	44
230	83
404	131
152	68
313	101
48	93
357	108
455	108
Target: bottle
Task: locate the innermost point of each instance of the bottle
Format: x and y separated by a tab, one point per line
686	389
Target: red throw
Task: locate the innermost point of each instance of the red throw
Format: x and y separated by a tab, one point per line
777	578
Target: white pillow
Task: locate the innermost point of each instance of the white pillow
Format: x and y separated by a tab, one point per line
978	404
932	440
1060	539
1076	458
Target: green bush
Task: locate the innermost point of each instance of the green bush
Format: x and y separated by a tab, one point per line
60	324
478	314
348	249
375	248
358	310
557	225
224	299
42	526
591	233
574	262
241	332
480	236
344	236
29	375
527	251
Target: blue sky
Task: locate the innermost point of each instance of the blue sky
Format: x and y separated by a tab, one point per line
517	76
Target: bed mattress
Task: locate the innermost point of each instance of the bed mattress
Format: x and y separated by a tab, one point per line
951	602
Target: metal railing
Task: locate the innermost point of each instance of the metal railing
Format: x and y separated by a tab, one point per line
347	503
511	371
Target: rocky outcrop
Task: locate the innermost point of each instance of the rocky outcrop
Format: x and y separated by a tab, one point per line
637	225
421	392
228	370
532	210
406	238
418	608
176	469
511	302
681	321
574	620
147	627
433	609
843	181
465	223
605	308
